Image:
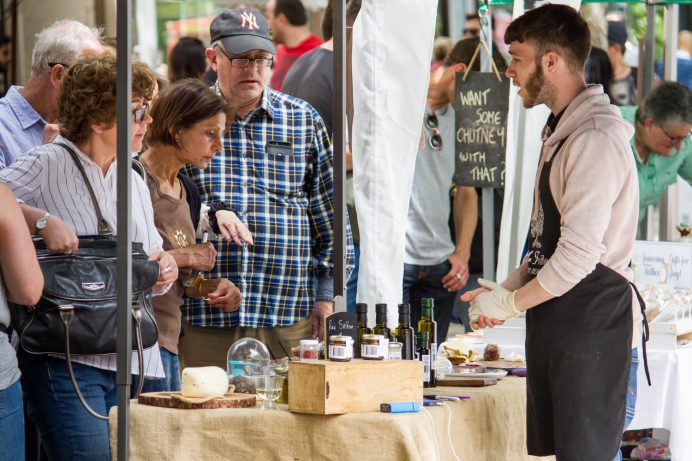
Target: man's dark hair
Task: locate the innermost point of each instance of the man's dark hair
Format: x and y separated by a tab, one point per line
472	16
557	28
327	21
463	50
669	102
4	39
187	59
293	10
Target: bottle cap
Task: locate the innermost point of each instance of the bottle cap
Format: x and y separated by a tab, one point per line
404	308
309	342
362	308
381	308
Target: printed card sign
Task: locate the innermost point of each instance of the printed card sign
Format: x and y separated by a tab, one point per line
662	262
481	106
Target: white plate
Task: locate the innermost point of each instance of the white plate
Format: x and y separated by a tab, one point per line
470	375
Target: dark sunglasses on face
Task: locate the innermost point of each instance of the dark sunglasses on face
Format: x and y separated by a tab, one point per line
138	114
435	139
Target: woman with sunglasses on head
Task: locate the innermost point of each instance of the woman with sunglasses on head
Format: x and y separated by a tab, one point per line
189	120
58	207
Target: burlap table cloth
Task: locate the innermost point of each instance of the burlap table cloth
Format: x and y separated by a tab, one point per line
488	427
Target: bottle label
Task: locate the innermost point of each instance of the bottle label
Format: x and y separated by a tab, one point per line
395	355
340	352
425	358
371	351
384	347
433	355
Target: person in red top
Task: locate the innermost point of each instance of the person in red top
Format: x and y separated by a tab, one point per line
288	25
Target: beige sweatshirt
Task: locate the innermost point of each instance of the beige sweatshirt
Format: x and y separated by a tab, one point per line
594	184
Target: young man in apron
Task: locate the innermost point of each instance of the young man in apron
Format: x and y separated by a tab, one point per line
574	282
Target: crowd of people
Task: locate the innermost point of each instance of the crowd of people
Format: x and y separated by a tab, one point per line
233	196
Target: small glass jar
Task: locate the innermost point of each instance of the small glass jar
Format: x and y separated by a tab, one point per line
309	349
395	350
371	347
340	348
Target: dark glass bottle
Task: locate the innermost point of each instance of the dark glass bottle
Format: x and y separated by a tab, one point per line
362	320
427	323
381	327
423	354
404	333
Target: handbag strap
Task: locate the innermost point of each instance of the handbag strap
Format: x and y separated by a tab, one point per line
104	227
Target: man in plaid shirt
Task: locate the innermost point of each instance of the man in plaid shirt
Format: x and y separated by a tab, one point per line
275	173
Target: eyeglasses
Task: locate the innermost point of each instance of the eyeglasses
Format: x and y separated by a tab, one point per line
244	62
138	114
432	123
675	139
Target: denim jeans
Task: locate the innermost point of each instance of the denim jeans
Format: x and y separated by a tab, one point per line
171	366
67	430
352	284
426	282
12	423
631	395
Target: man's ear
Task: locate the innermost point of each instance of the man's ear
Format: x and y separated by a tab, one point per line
550	61
211	55
56	74
460	67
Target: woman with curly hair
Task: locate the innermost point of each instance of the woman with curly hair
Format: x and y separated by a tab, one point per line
58	207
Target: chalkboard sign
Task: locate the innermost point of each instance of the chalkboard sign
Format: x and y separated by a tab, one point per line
662	262
481	107
341	323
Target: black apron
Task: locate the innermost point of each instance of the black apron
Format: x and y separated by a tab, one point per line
578	350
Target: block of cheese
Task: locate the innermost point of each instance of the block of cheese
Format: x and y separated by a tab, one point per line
203	382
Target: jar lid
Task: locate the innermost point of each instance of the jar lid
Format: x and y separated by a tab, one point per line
340	338
396	345
309	342
371	337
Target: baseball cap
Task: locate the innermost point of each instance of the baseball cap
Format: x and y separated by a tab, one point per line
241	30
617	32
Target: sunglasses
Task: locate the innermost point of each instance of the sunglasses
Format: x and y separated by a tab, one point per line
138	114
433	124
675	139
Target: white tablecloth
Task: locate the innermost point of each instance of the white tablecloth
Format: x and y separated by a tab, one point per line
667	404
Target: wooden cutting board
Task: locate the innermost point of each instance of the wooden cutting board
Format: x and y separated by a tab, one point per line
466	382
164	399
503	364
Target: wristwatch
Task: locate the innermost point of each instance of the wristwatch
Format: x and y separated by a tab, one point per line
42	222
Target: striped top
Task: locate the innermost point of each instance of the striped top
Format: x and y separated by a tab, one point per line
46	177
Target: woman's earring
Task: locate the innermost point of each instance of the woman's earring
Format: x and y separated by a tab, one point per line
177	140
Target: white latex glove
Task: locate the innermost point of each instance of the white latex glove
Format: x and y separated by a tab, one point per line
498	303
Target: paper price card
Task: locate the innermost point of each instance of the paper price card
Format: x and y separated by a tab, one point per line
662	262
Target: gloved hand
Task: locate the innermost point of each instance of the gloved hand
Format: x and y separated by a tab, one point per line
497	303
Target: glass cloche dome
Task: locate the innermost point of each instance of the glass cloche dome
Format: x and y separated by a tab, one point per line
247	356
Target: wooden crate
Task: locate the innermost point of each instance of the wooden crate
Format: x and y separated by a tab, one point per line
326	388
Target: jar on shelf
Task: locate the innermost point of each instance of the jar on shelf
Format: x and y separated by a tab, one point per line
340	348
309	349
371	348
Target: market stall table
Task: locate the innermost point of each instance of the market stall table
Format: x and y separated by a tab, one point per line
491	425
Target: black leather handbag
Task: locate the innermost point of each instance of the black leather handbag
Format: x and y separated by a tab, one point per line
77	310
82	286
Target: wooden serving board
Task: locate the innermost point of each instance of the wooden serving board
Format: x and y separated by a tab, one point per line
164	399
466	382
503	364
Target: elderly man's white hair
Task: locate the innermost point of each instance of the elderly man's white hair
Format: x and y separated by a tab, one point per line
61	43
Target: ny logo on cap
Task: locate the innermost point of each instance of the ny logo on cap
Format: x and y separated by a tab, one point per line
250	19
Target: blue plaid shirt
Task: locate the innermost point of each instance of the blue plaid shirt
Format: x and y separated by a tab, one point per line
285	198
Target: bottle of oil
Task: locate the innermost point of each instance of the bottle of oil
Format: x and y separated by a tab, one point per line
362	320
381	327
427	323
404	333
